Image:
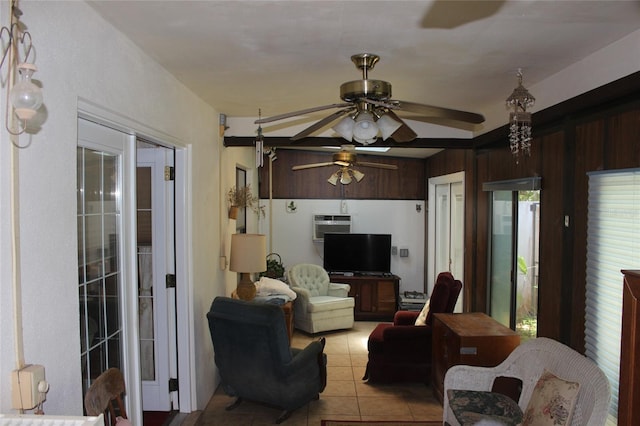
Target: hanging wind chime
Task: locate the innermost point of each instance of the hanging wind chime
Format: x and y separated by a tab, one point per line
520	119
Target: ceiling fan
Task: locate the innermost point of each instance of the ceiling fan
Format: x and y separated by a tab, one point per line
346	158
369	110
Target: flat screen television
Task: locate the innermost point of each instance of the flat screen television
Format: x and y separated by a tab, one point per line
357	253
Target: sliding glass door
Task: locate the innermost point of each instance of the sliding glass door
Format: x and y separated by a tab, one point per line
513	254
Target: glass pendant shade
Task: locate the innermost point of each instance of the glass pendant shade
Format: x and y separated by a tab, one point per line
357	174
25	96
345	128
365	130
333	179
387	126
345	178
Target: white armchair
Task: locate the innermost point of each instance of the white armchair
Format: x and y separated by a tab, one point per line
527	362
320	305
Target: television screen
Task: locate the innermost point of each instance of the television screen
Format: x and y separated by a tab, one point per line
357	253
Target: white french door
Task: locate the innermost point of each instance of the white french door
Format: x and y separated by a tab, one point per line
107	271
156	272
445	250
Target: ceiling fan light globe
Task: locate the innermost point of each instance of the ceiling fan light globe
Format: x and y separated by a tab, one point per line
365	127
387	126
345	128
333	179
357	174
345	179
365	141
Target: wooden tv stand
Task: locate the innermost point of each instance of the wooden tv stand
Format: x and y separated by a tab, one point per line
376	296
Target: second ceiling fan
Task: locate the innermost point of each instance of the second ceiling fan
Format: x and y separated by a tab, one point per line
370	111
347	160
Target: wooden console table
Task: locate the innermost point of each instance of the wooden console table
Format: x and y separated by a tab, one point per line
376	296
471	339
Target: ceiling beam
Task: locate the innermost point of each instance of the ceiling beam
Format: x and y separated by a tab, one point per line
449	143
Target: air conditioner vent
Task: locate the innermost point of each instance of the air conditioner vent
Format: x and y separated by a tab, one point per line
325	223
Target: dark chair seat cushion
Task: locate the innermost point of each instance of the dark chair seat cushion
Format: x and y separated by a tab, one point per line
470	407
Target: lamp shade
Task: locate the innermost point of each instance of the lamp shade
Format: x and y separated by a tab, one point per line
248	253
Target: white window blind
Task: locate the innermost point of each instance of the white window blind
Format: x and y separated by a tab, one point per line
613	244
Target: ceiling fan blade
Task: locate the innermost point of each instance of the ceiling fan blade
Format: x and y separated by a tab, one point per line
320	124
312	165
434	111
404	133
299	112
378	165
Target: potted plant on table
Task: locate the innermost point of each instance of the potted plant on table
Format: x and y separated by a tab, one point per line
242	197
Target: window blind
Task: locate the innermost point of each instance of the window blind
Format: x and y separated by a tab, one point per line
613	244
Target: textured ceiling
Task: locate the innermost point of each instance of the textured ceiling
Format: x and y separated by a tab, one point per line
279	56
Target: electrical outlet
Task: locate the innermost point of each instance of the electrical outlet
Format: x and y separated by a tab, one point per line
24	386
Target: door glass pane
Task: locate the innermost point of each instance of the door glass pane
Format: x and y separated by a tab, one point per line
443	236
145	272
501	256
526	309
98	262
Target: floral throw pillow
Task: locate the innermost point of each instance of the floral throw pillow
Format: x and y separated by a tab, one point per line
422	317
552	402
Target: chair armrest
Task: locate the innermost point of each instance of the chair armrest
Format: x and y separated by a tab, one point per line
311	355
465	377
338	290
405	317
469	377
302	293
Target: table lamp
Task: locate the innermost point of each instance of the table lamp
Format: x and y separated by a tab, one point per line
248	254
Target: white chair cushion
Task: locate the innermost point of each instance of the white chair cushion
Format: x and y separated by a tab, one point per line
329	303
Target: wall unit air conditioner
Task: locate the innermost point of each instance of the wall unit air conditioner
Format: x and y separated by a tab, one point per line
324	223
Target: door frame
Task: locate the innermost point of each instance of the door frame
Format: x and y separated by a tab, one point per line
183	233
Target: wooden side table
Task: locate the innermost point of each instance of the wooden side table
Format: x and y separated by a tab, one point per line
472	338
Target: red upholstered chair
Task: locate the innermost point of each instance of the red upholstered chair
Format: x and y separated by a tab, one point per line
401	352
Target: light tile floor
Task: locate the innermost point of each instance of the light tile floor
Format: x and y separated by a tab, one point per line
346	396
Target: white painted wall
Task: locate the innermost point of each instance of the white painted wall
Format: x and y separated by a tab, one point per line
291	233
81	56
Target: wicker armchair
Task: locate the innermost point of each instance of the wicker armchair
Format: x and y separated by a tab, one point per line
527	363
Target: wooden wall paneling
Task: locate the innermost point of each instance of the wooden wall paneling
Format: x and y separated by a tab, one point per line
550	287
623	140
479	292
407	183
447	161
470	228
588	156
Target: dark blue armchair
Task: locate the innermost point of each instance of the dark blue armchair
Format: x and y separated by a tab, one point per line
256	363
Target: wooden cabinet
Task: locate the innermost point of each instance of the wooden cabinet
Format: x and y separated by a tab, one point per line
629	390
376	297
470	339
